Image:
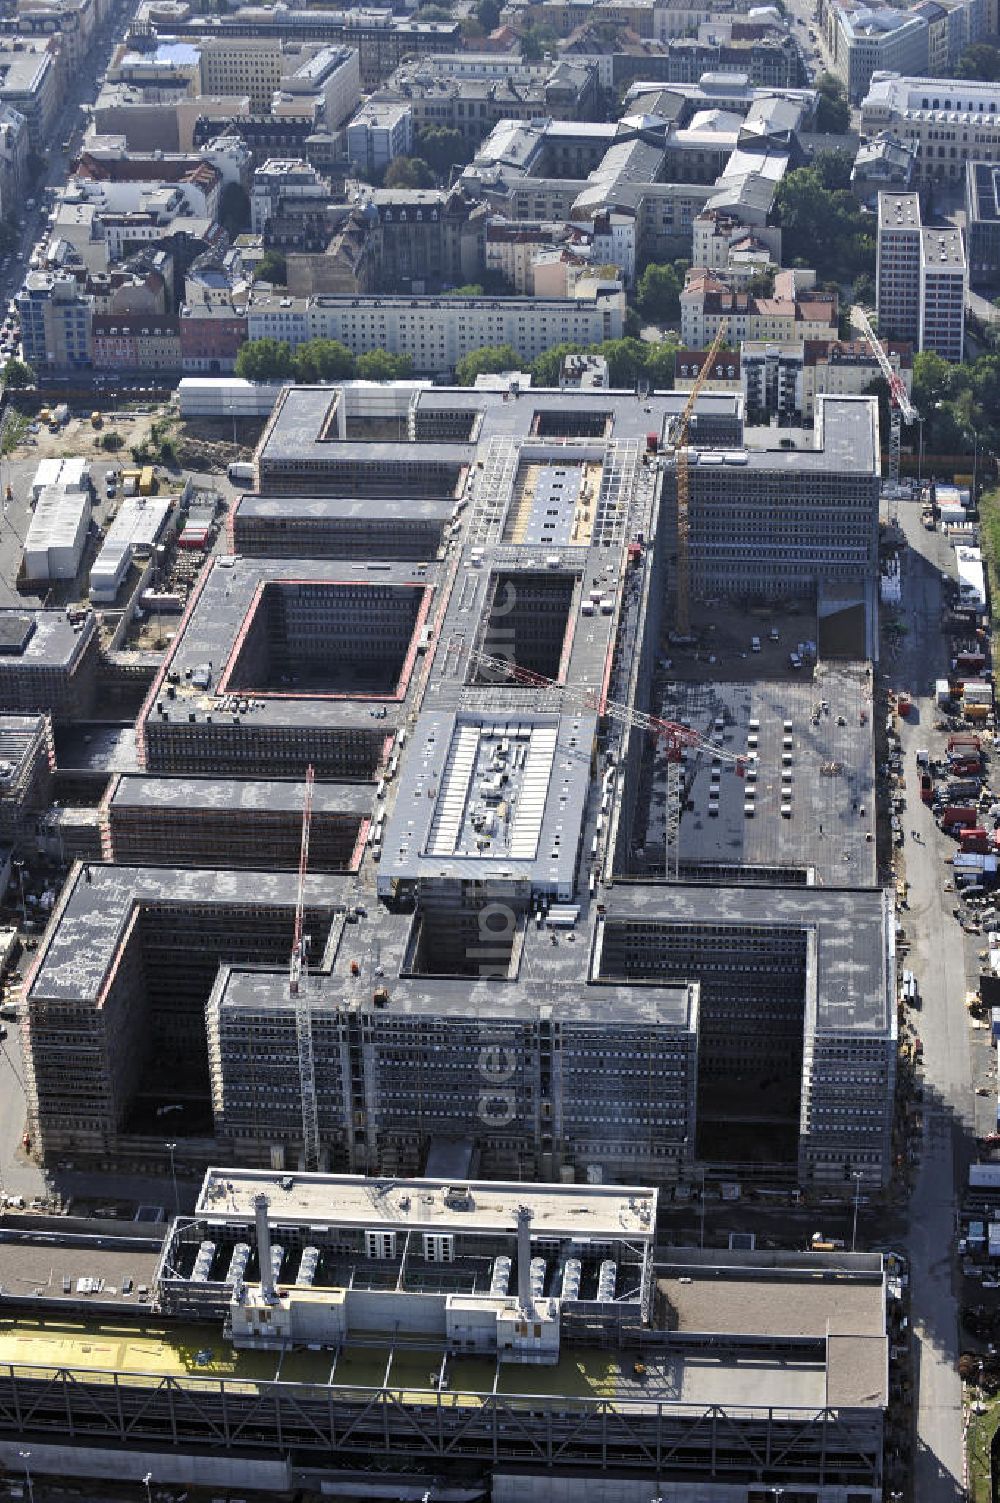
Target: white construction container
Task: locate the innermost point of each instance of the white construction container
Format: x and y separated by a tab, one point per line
140	523
971	577
75	474
46	475
54	545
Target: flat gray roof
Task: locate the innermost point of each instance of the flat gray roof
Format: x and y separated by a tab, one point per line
353	1200
92	916
845	441
828	779
854	991
527	830
211	633
137	791
302	428
381	509
41	638
722	1301
37	1263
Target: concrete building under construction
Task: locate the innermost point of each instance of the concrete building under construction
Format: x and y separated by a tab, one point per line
48	664
27	762
502	961
153	821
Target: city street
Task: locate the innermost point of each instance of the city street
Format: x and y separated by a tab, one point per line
938	958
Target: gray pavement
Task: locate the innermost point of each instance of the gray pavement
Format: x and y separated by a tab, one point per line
938	958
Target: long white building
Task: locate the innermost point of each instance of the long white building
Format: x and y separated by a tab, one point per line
438	331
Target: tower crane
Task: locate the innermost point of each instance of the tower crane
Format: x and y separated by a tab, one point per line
303	1016
676	736
901	409
679	439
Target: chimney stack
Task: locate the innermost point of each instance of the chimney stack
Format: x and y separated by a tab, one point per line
524	1260
264	1248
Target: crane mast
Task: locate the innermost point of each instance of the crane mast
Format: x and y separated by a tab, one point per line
676	736
303	1016
901	409
680	445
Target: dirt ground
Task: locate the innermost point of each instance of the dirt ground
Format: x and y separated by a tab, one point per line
201	444
78	437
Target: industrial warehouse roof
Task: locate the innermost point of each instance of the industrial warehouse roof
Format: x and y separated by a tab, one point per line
354	1200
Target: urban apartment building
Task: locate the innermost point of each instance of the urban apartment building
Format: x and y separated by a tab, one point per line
380	131
476	918
863	39
786	380
900	234
790	313
29	84
437	332
922	278
382	40
948	122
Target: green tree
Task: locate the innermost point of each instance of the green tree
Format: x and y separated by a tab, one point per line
272	267
112	441
979	61
442	148
833	168
468	289
16	373
626	360
234	210
490	359
264	360
488	14
546	369
864	290
833	113
821	228
934	380
534	42
761	284
659	291
408	172
659	365
380	365
323	360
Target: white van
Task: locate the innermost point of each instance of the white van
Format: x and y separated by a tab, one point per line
755	644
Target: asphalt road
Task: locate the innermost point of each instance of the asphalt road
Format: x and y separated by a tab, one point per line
939	958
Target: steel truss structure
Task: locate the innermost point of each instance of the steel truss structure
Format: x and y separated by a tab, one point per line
313	1424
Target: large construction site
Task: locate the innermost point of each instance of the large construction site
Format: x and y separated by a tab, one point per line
582	804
